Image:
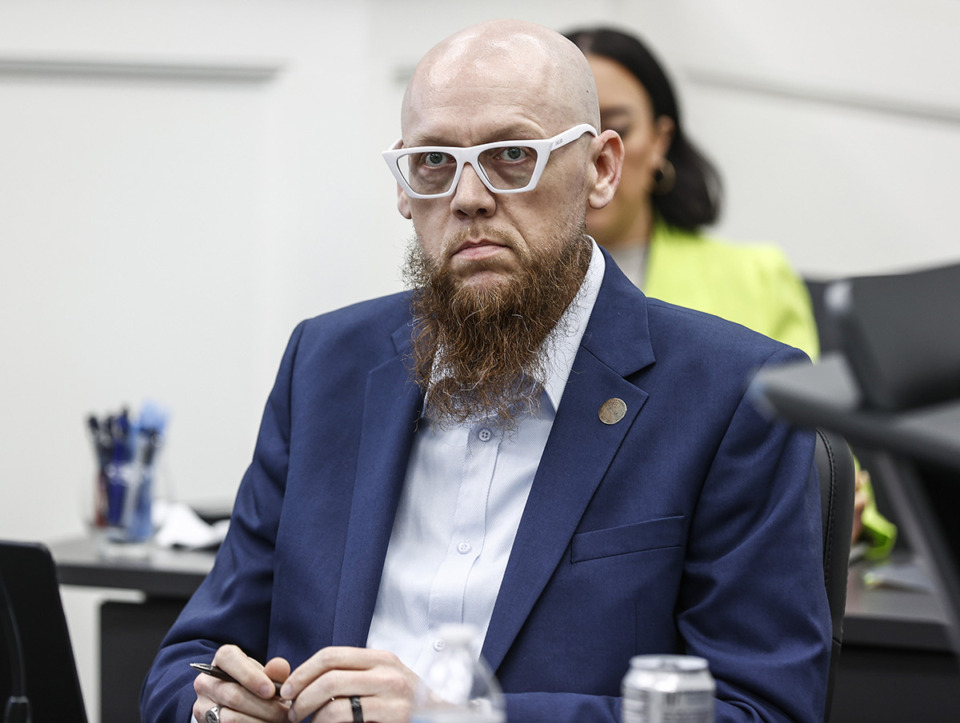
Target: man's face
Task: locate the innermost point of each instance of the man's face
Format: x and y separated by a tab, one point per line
494	273
476	235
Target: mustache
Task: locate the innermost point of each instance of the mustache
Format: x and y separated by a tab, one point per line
475	233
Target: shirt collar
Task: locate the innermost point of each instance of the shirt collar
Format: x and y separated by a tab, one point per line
562	344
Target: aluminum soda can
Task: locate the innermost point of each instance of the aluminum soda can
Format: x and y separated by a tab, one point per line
668	689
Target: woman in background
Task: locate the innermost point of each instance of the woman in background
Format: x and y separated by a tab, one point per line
669	191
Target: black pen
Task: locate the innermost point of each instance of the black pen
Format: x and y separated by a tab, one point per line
222	675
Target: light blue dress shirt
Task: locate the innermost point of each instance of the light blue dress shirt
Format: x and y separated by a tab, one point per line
465	491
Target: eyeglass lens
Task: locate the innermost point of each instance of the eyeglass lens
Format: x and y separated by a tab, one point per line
506	168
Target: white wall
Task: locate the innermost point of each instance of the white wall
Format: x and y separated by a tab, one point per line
836	123
178	186
181	181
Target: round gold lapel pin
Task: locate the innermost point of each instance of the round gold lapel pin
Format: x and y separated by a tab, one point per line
612	410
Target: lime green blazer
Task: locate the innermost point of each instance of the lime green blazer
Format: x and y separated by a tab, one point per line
752	285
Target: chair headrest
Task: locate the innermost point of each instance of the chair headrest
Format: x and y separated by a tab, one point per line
901	335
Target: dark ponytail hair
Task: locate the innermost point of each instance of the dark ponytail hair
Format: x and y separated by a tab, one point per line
695	198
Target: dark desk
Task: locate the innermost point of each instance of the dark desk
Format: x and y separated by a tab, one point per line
886	616
130	633
163	574
896	663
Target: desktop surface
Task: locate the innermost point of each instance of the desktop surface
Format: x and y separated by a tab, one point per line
162	573
896	653
881	615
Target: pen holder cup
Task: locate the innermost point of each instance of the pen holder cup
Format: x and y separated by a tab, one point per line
123	508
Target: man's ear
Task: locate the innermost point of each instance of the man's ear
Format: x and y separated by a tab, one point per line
403	203
608	164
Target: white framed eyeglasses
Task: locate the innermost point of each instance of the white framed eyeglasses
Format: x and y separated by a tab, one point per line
503	167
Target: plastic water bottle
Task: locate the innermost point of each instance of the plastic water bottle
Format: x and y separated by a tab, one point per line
458	687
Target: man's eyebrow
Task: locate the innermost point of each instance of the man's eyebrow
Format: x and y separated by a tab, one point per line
512	133
429	141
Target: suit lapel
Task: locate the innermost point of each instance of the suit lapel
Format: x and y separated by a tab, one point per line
390	412
578	453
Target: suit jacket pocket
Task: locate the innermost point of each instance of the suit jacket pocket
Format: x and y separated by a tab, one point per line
636	537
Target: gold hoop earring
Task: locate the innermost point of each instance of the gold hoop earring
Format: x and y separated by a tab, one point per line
664	178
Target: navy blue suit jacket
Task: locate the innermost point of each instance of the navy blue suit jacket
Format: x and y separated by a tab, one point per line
692	525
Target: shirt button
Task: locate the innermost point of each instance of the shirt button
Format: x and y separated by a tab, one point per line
438	645
463	547
485	435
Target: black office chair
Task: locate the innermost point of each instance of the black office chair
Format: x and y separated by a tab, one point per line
837	482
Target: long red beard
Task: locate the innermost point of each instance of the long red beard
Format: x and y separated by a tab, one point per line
477	352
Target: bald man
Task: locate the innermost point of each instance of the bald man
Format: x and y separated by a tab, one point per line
522	442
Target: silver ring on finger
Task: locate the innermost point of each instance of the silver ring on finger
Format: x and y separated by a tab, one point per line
212	715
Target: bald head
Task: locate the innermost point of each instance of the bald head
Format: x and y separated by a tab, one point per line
523	65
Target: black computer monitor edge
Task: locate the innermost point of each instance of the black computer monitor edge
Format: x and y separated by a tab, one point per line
50	671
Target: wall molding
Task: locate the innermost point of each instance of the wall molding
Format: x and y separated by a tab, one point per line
871	103
240	70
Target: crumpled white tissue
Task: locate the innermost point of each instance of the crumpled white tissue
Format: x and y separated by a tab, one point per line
179	526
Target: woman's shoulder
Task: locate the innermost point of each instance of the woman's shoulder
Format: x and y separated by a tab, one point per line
668	240
753	284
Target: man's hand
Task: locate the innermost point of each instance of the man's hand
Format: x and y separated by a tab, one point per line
324	684
251	698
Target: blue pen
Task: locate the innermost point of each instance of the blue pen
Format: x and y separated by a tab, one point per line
141	524
101	445
116	484
153	419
